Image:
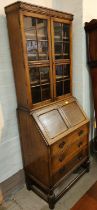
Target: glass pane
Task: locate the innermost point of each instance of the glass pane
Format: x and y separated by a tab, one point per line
44	74
62	71
58	56
62	79
59	88
59	72
30	28
57	31
29	23
40	83
61	40
66	29
66	70
36	34
32	50
34	76
58	48
43	57
66	43
30	33
66	50
45	92
36	94
66	86
42	29
43	50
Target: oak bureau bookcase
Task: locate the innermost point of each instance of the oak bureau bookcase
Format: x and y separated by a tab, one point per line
54	130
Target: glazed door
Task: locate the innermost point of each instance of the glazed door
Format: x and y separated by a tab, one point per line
38	55
61	50
47	46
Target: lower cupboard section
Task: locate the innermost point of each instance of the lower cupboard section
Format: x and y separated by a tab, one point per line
76	160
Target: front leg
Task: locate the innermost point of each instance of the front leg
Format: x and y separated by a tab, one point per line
51	200
86	165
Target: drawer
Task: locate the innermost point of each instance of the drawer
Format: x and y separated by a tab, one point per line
65	169
71	138
68	152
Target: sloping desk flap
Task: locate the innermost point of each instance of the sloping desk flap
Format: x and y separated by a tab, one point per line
57	120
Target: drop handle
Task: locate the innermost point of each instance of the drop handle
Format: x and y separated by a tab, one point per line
80	132
61	145
62	157
80	144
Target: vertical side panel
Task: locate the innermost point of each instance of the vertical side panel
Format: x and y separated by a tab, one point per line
34	149
17	58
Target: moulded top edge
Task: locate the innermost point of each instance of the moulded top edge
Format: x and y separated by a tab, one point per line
92	25
35	8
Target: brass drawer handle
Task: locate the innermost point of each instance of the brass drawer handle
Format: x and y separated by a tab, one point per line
62	170
80	144
80	132
61	145
62	157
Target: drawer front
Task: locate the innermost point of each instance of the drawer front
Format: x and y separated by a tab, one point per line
68	140
68	152
76	161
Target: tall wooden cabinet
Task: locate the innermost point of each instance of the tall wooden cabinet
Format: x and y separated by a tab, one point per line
91	41
53	128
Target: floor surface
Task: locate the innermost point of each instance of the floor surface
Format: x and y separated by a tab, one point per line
27	200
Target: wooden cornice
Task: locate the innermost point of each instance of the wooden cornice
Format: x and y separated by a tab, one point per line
37	9
92	25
